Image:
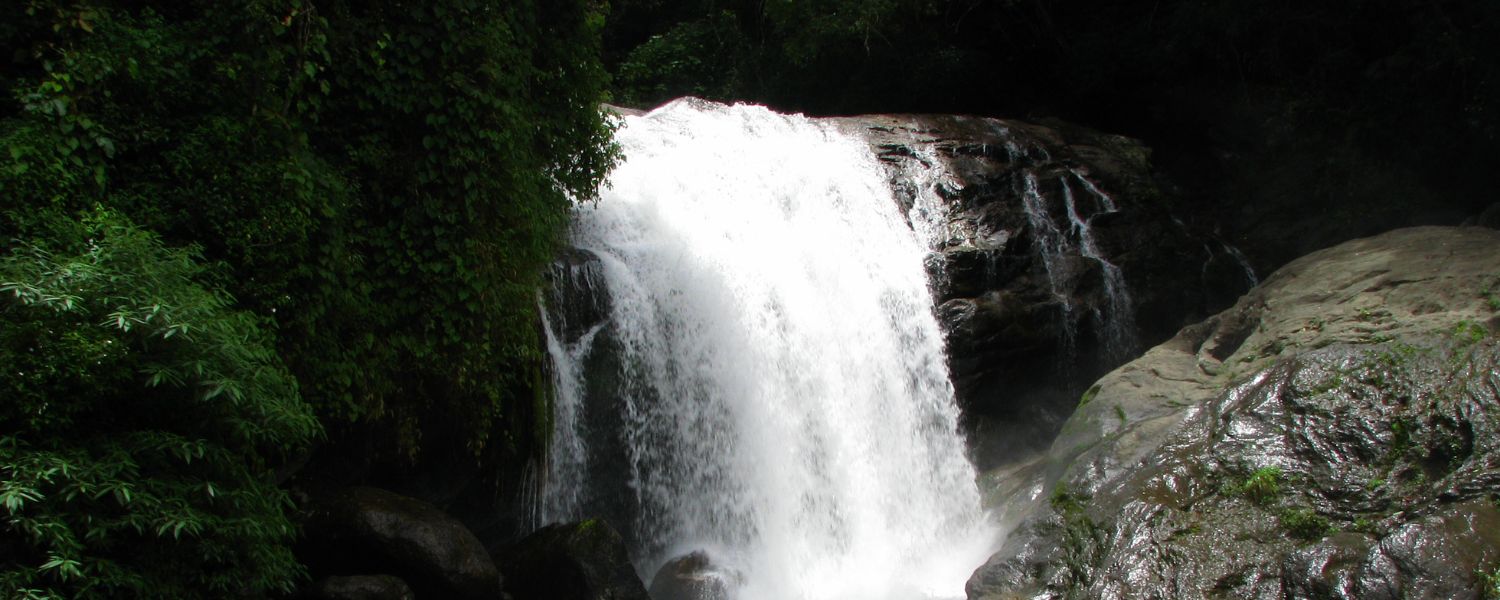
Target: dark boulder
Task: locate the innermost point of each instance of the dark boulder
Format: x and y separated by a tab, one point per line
579	299
360	587
361	530
571	561
693	576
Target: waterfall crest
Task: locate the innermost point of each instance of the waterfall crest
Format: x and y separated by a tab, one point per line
778	387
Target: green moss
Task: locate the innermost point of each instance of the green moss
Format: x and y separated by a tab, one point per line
1397	354
1262	487
1120	414
1491	295
1088	396
1064	501
1468	333
1083	540
1332	383
1403	431
1304	524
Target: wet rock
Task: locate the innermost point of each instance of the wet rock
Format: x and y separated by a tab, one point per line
579	297
691	577
360	587
1056	259
1435	556
363	529
1331	435
1330	568
571	561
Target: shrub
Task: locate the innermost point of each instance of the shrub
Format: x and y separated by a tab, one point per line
142	419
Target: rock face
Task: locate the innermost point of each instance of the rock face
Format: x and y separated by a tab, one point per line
1056	259
362	530
579	300
571	561
1335	434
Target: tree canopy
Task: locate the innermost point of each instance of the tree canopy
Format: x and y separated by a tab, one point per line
218	211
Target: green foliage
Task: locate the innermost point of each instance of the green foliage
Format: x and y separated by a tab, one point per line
835	55
1262	487
699	58
142	419
377	185
385	181
470	128
1489	584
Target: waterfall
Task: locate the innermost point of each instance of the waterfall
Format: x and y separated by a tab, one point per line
778	386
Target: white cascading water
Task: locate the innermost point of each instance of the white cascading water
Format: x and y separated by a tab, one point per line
797	421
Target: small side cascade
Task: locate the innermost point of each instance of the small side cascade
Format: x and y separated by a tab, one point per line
1060	202
1052	246
567	448
1056	239
1234	253
573	314
1118	326
1243	261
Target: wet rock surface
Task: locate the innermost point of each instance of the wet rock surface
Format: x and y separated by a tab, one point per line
571	561
1335	434
580	301
360	530
1057	259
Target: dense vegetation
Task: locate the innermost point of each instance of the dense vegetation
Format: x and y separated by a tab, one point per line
1126	65
222	218
140	409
